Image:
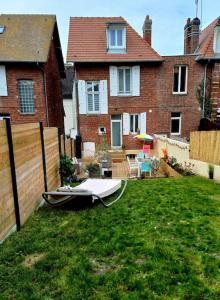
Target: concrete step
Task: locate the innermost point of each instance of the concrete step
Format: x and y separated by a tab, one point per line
117	155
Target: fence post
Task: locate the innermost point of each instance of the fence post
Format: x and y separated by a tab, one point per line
13	173
64	143
71	147
43	155
60	151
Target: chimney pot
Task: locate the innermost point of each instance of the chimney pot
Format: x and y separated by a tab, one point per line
147	29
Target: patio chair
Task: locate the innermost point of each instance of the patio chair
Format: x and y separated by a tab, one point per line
146	168
141	155
132	167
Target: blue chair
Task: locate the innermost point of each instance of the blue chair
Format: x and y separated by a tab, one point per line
146	168
141	155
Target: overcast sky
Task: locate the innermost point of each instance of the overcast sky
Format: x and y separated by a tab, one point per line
168	16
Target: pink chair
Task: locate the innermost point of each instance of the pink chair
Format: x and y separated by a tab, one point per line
146	149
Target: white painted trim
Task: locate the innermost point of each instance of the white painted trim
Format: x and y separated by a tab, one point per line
116	27
124	93
179	80
180	125
115	121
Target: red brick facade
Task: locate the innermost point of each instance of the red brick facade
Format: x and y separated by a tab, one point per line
10	104
156	99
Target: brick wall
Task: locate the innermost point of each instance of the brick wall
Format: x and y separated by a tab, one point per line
54	91
10	103
156	98
215	88
188	104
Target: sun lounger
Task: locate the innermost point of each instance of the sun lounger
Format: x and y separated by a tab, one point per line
95	189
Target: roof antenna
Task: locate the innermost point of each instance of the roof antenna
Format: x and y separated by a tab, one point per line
197	6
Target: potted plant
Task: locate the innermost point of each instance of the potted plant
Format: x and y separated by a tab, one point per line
123	147
93	169
211	171
67	168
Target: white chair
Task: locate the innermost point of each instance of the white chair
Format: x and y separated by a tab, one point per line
132	168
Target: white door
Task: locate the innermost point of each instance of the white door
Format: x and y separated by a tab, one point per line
116	132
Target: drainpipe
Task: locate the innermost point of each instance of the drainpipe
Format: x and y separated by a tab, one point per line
204	90
45	93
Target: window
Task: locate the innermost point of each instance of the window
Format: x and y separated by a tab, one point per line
175	123
216	45
2	29
26	96
124	80
180	80
116	37
93	101
134	123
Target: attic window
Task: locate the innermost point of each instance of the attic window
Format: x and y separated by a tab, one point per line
116	38
2	29
216	45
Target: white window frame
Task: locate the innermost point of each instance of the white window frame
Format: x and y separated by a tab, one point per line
215	41
24	101
116	27
180	124
124	93
179	80
133	125
93	99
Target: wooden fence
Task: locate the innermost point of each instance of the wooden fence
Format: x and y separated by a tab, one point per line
29	165
67	146
205	146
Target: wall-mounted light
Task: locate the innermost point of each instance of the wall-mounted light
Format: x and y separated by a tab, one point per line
150	110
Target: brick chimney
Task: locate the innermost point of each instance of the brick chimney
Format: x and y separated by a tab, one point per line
147	29
191	35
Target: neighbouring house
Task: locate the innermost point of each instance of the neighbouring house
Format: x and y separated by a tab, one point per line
31	68
68	103
123	86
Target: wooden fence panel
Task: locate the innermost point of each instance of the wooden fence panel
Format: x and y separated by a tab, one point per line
29	167
7	212
52	157
205	146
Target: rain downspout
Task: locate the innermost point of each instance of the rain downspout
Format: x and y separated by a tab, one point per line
204	90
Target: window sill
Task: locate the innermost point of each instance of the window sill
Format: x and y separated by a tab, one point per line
125	95
93	114
179	94
174	134
28	114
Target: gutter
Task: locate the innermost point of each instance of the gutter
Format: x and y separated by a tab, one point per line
204	89
45	93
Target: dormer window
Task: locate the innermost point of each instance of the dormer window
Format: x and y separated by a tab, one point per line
116	38
216	44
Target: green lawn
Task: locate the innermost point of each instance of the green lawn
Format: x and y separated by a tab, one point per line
160	241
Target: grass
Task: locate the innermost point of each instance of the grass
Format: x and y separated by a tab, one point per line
160	241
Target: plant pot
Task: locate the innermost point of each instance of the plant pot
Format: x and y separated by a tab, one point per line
94	174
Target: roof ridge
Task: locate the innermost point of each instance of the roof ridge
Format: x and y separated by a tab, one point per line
81	17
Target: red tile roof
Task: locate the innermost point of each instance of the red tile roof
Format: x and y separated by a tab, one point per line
87	42
205	49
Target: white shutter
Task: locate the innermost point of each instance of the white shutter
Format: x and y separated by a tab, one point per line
113	75
143	123
103	97
3	82
136	81
126	123
82	97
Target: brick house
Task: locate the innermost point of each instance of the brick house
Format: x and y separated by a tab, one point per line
123	86
31	68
